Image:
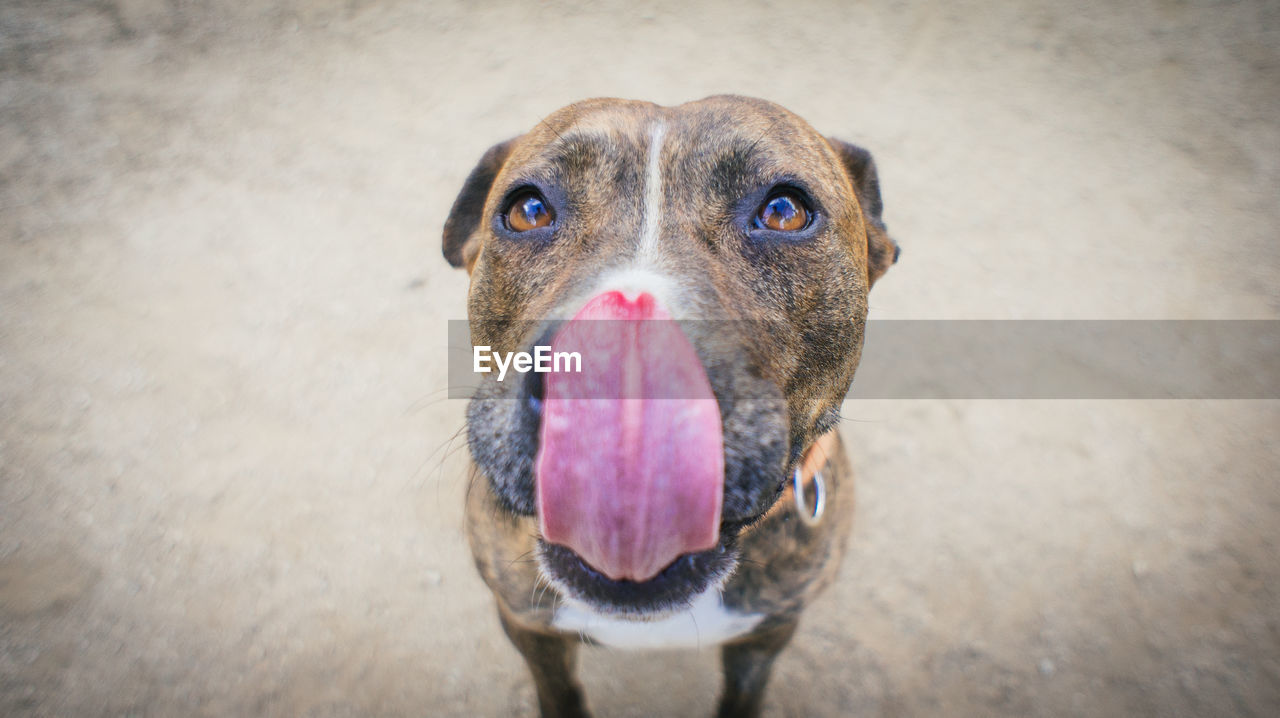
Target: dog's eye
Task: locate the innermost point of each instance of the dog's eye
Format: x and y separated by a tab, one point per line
783	212
528	211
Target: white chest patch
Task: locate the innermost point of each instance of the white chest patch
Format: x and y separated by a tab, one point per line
705	623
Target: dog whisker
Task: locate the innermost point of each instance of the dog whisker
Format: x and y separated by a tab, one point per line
443	445
522	558
428	399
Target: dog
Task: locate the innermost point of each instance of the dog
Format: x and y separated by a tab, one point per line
711	514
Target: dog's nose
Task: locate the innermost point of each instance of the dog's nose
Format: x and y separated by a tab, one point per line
622	304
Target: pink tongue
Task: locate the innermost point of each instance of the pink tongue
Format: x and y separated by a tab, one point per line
630	470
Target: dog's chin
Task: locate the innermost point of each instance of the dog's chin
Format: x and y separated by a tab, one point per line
671	591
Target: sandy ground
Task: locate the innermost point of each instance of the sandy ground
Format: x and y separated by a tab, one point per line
227	481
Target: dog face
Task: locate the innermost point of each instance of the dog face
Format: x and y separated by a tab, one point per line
731	215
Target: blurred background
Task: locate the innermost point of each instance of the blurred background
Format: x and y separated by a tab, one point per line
231	483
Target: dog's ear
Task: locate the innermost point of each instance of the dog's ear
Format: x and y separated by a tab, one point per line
882	251
464	217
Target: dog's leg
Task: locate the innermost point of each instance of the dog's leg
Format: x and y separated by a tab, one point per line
747	665
551	661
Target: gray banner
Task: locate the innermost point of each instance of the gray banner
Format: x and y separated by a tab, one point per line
1022	359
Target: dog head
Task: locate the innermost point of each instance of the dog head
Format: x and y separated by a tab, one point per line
755	235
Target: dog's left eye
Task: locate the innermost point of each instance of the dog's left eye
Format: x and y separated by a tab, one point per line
783	212
528	211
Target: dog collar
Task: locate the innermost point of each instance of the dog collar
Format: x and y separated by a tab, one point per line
809	472
807	483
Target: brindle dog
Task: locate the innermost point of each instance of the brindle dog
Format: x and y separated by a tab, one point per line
729	209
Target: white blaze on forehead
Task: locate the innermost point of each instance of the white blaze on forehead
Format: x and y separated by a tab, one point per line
653	192
644	272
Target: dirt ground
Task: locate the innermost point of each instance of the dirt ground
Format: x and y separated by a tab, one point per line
228	479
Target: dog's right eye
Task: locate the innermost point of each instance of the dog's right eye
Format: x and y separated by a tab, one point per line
783	212
528	211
